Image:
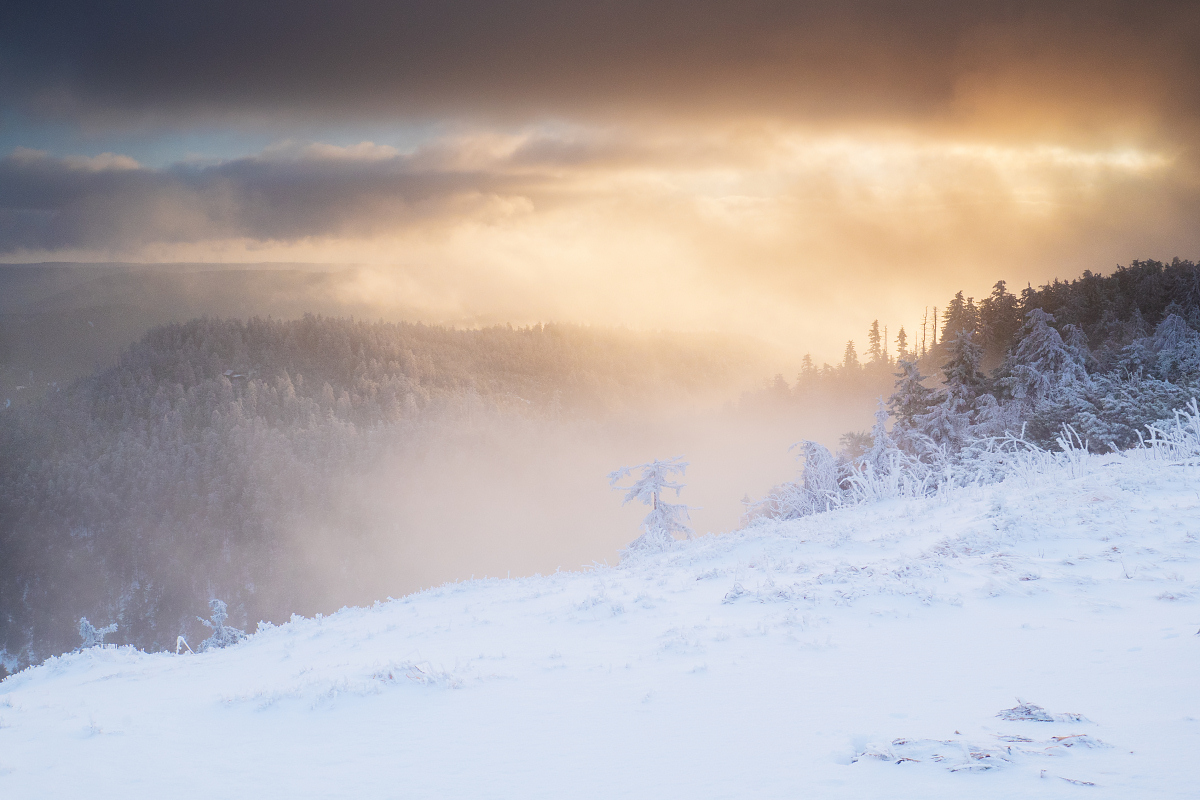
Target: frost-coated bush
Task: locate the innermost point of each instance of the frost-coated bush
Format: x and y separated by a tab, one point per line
895	475
889	472
91	635
1177	439
223	635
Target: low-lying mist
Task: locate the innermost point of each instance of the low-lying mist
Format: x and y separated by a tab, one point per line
299	466
501	499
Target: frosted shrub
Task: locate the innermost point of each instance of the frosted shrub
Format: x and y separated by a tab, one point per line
895	475
890	472
1177	439
1014	456
822	479
785	501
883	471
223	635
819	488
91	635
1074	455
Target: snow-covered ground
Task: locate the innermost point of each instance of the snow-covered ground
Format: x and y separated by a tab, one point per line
871	652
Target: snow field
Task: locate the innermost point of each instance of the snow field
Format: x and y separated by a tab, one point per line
865	652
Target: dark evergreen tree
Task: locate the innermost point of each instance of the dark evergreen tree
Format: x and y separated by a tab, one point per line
807	370
960	316
999	321
901	345
874	343
961	372
850	357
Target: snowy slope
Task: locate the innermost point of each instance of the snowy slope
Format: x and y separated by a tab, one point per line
861	653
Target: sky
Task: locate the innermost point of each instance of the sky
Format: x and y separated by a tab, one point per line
785	170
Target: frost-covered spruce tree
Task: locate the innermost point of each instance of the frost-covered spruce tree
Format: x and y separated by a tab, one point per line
665	519
1176	349
1126	405
1042	364
961	373
1154	375
911	399
223	635
91	635
948	422
1046	382
879	456
947	425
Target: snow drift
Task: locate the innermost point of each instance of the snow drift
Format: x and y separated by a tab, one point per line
1033	637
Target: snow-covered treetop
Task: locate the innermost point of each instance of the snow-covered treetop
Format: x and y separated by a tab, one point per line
963	377
1043	362
223	635
654	478
881	441
1176	348
92	636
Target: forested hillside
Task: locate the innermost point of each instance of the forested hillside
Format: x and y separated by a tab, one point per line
273	463
1082	365
229	458
1104	354
1111	331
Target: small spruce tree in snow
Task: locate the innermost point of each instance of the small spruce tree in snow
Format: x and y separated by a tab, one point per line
223	635
91	635
665	519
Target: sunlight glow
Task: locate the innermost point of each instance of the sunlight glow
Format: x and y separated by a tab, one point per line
763	231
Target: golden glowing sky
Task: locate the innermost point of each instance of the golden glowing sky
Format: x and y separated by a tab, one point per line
789	171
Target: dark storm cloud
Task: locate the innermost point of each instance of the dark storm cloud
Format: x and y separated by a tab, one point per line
870	59
52	203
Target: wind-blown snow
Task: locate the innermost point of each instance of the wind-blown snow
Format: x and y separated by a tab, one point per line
1033	638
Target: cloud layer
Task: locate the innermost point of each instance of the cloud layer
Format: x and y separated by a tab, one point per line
774	231
790	169
1016	64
